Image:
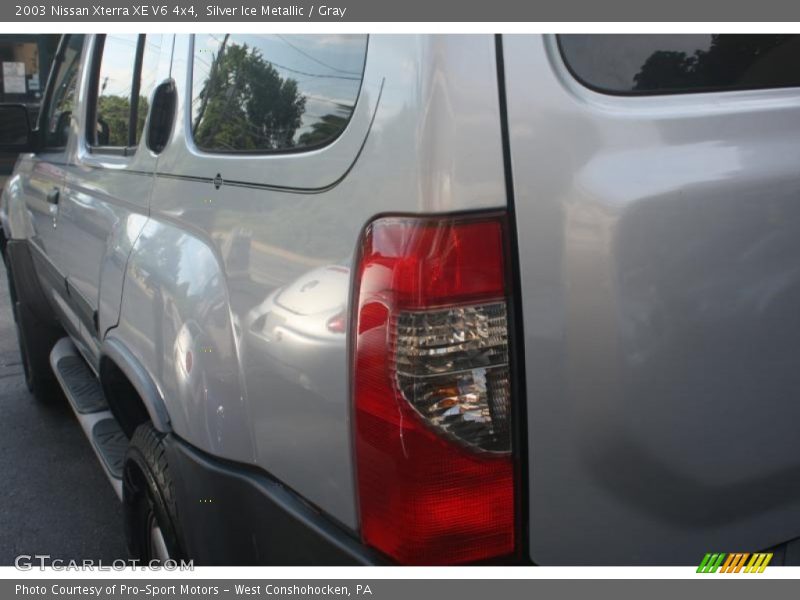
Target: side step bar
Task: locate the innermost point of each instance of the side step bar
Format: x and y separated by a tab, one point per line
85	396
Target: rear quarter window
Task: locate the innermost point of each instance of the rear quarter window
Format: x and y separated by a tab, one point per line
680	64
273	93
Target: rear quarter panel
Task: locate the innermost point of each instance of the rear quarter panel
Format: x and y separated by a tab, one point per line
246	277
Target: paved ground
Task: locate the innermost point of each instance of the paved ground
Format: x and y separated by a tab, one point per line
54	497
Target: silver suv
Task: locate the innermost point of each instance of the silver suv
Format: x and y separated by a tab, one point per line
323	299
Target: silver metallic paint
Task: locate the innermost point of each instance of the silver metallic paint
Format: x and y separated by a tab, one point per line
660	284
209	259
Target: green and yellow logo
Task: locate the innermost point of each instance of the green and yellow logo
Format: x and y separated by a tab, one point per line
735	563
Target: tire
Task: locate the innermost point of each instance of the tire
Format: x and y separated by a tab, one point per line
12	290
34	350
151	524
36	334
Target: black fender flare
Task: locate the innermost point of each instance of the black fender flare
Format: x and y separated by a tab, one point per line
115	350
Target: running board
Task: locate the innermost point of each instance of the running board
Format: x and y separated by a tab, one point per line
112	444
80	384
85	396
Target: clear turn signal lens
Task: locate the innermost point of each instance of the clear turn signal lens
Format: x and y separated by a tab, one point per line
451	365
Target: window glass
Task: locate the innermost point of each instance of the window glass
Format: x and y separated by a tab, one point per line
115	90
664	64
260	93
26	60
153	45
62	99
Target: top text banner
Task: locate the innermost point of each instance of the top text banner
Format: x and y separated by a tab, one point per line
465	11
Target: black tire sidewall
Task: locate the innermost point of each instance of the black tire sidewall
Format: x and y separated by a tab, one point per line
144	495
37	333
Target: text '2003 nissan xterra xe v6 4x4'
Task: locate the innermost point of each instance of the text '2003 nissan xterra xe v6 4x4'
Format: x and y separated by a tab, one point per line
325	299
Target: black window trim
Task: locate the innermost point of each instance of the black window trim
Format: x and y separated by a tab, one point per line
268	151
91	113
667	92
44	111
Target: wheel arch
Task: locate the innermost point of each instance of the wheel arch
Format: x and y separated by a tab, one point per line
120	367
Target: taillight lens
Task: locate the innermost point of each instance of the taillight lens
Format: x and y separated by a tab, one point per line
431	390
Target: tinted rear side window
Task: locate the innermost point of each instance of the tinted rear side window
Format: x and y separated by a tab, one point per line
673	64
114	89
126	67
264	93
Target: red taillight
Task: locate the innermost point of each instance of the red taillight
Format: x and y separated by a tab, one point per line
431	390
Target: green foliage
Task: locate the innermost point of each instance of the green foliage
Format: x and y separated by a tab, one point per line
245	104
114	112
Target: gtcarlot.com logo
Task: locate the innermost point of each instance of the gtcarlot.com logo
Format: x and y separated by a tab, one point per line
26	562
736	562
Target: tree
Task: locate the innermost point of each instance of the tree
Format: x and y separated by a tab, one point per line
114	112
731	60
245	104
